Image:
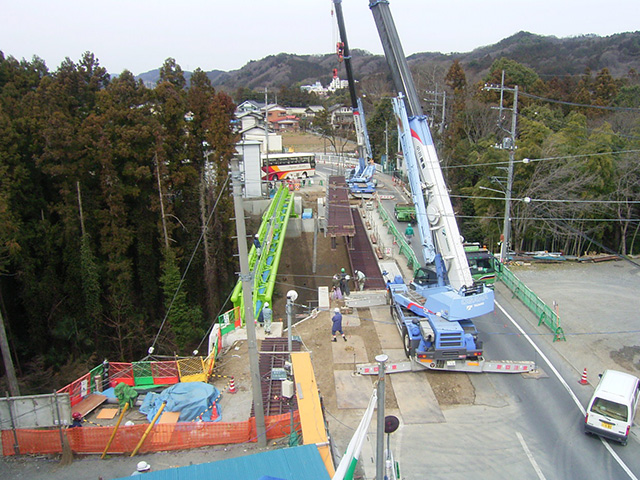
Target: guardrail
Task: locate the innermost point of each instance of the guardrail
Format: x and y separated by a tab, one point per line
534	303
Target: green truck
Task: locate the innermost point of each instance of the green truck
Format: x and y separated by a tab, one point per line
481	263
405	212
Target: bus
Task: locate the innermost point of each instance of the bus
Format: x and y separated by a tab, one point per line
284	166
481	263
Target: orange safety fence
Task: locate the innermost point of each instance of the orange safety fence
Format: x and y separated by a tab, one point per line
163	437
144	373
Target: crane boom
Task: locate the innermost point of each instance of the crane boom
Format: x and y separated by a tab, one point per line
436	218
362	136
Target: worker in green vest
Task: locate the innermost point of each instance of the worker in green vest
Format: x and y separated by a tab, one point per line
408	233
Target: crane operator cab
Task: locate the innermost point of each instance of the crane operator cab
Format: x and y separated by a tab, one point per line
425	277
612	407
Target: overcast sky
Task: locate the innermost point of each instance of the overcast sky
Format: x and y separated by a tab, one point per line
139	35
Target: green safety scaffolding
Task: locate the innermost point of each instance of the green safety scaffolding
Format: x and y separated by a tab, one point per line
265	266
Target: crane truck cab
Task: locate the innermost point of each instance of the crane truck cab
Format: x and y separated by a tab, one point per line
612	407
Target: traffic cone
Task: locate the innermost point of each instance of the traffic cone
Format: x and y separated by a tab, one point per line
583	380
232	386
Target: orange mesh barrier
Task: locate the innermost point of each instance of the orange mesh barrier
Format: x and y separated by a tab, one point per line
179	436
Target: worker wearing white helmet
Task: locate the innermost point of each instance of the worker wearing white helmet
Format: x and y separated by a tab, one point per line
360	279
267	316
143	467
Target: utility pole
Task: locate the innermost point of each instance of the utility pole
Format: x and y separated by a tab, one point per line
247	296
435	105
164	220
292	296
386	146
266	138
12	380
381	359
511	146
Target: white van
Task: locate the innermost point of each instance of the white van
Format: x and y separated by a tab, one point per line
611	409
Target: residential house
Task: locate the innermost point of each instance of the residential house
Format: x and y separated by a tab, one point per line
256	133
341	117
250	119
312	110
288	123
275	112
297	111
249	106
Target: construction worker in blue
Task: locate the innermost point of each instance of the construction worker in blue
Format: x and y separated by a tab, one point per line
337	325
256	243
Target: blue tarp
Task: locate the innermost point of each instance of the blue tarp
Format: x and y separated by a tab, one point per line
193	400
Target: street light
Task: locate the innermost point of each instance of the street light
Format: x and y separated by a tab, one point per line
292	296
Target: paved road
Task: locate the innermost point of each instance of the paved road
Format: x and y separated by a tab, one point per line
523	427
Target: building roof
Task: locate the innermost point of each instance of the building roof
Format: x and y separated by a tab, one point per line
250	113
296	463
275	107
250	105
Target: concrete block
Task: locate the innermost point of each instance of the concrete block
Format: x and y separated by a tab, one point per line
323	298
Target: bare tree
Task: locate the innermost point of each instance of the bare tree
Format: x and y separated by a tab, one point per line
627	191
557	193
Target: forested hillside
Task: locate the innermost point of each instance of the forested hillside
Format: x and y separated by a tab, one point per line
547	55
104	199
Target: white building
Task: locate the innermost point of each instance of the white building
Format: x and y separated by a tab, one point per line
250	167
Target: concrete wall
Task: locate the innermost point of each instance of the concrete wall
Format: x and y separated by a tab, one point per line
295	226
256	207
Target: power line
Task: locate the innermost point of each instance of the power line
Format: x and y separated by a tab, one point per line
627	220
195	248
531	200
544	159
561	102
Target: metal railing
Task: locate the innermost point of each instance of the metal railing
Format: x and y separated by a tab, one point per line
541	310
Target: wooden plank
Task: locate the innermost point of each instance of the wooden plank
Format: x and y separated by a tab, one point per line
169	417
89	403
107	413
311	419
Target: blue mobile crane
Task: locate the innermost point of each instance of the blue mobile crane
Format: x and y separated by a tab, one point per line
434	312
361	182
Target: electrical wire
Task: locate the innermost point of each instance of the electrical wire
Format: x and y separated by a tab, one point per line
166	316
527	200
545	159
561	102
